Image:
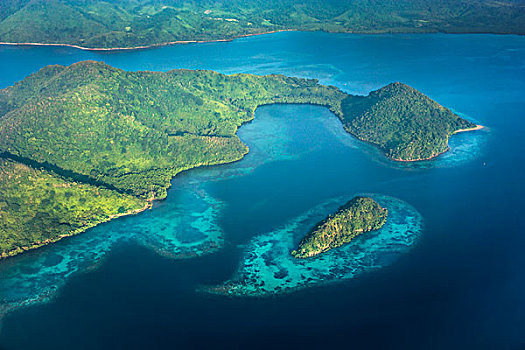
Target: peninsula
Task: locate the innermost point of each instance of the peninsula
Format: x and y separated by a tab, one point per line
122	24
407	125
88	142
38	207
359	215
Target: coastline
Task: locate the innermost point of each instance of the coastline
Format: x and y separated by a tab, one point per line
148	205
477	127
142	47
418	159
21	250
397	159
232	38
149	201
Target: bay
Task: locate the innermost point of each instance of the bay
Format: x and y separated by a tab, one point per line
459	285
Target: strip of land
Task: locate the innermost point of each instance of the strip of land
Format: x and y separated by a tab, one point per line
104	24
477	127
144	47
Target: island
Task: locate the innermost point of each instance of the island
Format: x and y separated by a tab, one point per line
357	216
85	143
99	24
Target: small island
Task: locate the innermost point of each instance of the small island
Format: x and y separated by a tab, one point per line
359	215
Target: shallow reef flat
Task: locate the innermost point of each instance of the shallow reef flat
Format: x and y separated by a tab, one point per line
183	230
268	268
463	147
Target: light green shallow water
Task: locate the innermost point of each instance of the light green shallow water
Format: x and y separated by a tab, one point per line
184	229
268	267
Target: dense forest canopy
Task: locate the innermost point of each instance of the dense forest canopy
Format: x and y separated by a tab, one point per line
135	131
129	23
357	216
402	121
38	206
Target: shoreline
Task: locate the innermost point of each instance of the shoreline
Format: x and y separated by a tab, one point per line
13	253
397	159
419	159
234	37
149	201
477	127
148	205
143	47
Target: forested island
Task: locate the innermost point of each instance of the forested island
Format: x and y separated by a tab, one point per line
358	216
85	143
134	23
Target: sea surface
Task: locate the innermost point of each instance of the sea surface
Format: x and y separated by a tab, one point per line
209	267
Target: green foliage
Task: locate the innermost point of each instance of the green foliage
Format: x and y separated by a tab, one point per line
37	207
128	23
136	130
403	122
359	215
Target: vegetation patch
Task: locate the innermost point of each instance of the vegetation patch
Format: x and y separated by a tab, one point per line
359	215
38	207
403	122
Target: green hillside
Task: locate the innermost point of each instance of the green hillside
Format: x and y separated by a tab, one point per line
38	207
135	131
403	122
129	23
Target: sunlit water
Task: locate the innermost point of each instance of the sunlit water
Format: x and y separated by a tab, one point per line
268	267
447	264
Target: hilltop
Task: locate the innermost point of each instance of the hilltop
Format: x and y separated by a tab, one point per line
406	124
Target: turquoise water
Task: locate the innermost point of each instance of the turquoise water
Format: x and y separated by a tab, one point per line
185	229
268	267
445	271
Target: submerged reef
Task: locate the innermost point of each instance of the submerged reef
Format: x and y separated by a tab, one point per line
184	228
268	268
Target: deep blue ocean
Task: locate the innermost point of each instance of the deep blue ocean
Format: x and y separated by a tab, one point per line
447	273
